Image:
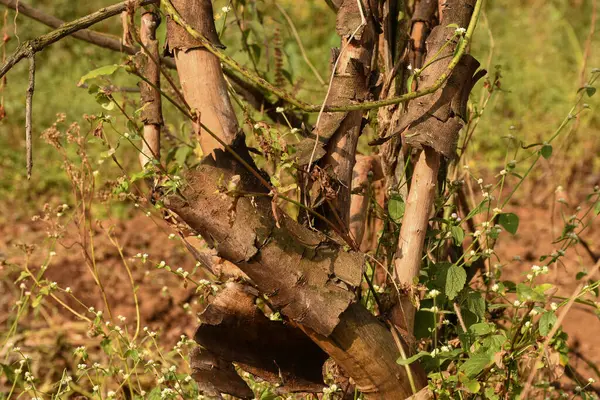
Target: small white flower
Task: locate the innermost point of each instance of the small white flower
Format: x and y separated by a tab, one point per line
533	313
445	349
111	394
554	306
188	379
591	380
503	172
434	293
279	109
172	368
517	303
527	324
529	277
536	268
226	9
460	31
172	236
95	388
495	287
126	134
68	289
122	318
497	210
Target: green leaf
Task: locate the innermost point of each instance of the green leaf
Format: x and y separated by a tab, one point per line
476	304
475	364
102	71
472	386
182	154
547	321
455	281
154	394
396	207
23	275
509	221
589	90
8	372
546	151
597	208
457	234
412	359
482	328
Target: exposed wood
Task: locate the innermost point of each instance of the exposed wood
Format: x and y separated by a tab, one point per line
200	73
409	253
310	278
151	99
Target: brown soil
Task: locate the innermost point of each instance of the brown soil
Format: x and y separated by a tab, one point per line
163	310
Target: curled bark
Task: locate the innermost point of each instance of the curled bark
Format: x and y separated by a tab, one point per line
235	330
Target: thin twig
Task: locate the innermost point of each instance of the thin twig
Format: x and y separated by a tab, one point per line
34	45
299	41
28	115
554	329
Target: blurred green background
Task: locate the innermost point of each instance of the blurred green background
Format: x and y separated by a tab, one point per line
537	45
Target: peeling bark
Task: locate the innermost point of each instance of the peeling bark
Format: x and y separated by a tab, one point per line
235	330
337	133
432	123
306	276
310	278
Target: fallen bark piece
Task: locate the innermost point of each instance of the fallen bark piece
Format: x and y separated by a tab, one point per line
235	330
310	278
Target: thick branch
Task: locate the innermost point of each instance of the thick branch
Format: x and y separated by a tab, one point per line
335	136
200	73
309	278
432	124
